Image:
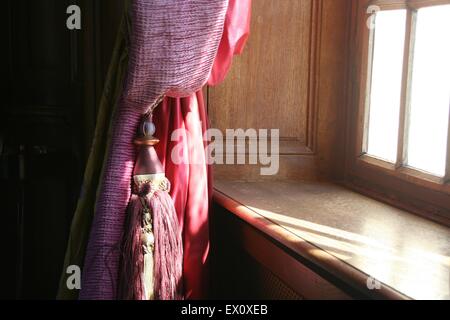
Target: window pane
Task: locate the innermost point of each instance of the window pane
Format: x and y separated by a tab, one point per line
430	96
385	92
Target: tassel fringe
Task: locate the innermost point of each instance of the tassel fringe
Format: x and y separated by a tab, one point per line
165	263
168	248
130	284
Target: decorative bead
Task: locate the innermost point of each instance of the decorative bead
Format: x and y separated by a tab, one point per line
149	128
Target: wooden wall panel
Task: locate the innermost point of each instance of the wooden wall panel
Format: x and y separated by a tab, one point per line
291	77
332	87
272	75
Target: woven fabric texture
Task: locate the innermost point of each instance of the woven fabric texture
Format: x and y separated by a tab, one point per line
172	48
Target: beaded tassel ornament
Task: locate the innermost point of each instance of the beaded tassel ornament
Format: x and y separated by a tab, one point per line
152	254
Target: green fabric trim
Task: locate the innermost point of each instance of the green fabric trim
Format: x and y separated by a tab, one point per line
93	175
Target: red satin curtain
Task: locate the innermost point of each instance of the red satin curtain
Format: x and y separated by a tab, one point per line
235	35
181	124
191	182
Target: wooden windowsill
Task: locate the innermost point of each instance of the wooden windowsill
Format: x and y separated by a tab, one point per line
351	236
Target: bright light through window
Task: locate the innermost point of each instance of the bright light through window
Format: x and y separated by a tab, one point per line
430	91
426	108
386	83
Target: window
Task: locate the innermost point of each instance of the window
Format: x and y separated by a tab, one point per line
383	94
428	110
401	68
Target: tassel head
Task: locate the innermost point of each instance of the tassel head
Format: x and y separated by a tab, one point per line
147	160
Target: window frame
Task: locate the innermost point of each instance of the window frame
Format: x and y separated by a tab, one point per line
398	184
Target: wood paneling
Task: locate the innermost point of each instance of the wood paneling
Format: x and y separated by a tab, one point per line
47	116
333	83
291	77
40	158
272	76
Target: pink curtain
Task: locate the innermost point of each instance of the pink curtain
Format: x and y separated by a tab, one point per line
190	176
235	35
192	179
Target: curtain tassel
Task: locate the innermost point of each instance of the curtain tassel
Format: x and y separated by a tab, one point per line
152	248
